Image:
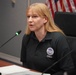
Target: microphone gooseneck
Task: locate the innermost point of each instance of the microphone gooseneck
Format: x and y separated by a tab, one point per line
56	62
16	34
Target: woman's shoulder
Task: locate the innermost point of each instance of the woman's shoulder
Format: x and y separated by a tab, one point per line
57	35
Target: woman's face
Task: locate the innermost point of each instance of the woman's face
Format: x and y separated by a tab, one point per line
35	22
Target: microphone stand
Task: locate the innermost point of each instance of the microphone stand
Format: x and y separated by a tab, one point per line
7	41
55	63
17	33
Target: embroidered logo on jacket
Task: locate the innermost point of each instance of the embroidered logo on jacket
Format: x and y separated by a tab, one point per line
50	52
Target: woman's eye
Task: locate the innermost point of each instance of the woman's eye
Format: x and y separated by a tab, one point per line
34	16
28	16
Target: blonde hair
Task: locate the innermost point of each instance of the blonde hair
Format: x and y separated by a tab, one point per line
43	11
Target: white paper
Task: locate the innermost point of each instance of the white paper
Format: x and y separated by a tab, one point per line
12	69
17	70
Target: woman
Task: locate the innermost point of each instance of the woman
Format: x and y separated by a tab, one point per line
44	43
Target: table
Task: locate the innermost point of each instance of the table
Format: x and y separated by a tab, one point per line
29	72
5	63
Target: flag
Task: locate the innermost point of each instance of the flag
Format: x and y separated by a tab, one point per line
61	6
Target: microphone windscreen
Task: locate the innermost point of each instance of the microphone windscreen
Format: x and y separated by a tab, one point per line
18	32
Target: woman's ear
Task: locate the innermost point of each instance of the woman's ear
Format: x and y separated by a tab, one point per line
45	20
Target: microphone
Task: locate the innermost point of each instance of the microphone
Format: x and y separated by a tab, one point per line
55	62
16	34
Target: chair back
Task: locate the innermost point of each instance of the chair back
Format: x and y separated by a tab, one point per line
67	22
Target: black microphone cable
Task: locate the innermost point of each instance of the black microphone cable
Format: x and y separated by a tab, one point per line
16	34
55	62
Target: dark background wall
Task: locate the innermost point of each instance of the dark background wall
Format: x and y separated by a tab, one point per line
13	19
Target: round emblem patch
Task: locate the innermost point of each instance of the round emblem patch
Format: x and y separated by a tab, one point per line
50	51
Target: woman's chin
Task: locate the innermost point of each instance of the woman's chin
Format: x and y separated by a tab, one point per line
31	29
